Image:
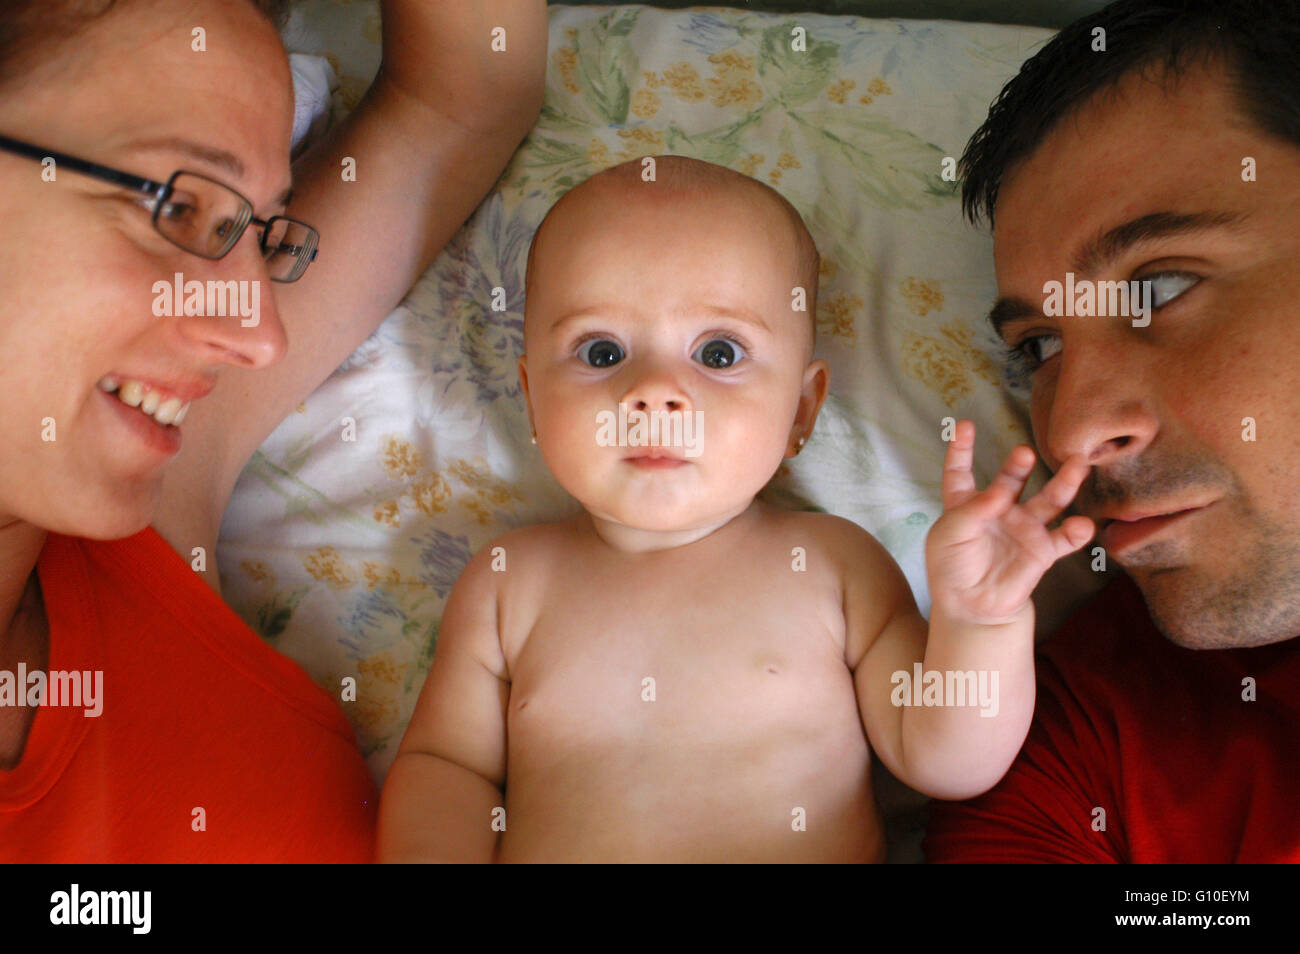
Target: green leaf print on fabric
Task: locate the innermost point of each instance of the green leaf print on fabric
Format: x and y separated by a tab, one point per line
795	77
606	61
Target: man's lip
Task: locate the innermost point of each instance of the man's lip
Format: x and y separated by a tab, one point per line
1136	527
1134	514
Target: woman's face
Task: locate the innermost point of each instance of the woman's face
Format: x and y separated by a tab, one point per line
79	257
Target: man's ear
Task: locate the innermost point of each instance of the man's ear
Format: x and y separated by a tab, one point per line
523	383
812	395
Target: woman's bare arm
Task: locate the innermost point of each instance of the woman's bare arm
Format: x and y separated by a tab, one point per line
438	126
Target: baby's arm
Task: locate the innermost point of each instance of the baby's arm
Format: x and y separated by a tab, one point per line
438	800
984	557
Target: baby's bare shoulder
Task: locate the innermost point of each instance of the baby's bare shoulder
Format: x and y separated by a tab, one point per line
844	548
534	544
834	537
518	567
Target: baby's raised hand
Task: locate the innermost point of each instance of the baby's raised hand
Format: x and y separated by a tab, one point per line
988	551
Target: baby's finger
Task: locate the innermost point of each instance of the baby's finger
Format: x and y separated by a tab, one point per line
1073	533
1007	485
1048	504
958	483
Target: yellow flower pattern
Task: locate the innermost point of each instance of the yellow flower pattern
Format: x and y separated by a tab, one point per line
921	296
405	511
948	363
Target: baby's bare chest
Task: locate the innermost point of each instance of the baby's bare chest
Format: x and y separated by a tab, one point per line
704	653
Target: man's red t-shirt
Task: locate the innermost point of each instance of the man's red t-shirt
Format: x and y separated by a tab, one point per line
208	746
1193	755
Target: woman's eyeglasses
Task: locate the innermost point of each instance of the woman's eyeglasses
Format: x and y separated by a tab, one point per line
199	214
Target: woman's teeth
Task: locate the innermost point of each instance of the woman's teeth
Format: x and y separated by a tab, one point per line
137	395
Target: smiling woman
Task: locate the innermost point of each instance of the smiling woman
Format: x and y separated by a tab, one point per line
146	144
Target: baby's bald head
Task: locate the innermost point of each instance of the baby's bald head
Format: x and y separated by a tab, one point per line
689	181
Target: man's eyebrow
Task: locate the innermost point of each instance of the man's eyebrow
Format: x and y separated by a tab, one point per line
1011	309
218	158
1107	246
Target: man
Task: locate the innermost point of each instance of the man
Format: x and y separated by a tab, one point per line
1157	142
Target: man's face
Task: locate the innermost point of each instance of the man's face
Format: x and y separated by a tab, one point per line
1161	411
667	304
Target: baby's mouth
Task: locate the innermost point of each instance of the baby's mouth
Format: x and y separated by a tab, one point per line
655	458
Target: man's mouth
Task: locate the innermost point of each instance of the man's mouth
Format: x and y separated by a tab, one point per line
1131	528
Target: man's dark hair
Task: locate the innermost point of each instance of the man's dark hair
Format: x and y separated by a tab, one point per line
1258	41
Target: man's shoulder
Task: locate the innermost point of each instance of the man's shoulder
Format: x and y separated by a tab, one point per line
1107	634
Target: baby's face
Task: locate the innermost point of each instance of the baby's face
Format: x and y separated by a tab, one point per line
679	306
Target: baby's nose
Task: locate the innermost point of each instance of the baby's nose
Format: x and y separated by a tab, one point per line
657	392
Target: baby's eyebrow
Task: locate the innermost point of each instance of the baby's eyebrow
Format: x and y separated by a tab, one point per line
741	314
735	313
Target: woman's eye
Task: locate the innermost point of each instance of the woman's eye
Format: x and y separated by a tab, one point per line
719	353
172	209
1166	286
600	353
223	228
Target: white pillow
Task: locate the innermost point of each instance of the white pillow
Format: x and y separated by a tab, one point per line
342	553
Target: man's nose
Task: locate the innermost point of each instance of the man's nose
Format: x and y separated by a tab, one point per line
1098	405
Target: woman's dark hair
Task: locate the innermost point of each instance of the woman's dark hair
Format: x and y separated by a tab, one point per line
1258	41
29	26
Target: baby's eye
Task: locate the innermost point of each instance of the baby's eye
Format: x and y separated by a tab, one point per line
719	353
600	353
1166	286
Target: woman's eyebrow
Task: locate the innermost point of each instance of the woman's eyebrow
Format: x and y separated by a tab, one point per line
218	158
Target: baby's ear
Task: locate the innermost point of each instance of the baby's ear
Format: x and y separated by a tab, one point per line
816	384
523	383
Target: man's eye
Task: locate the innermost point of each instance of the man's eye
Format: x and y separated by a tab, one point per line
1039	348
600	353
1026	357
1166	286
719	353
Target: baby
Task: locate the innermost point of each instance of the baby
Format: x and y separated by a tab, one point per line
684	672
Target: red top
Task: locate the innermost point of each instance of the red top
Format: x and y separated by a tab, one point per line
1159	737
197	713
